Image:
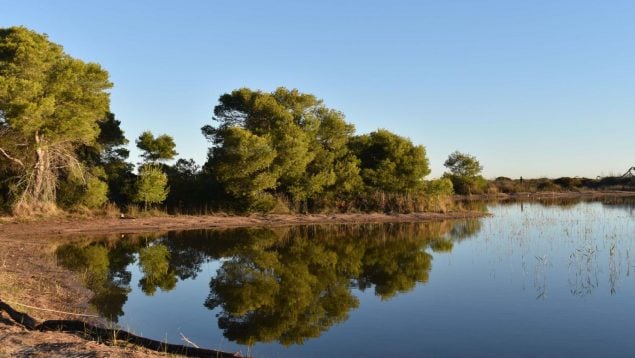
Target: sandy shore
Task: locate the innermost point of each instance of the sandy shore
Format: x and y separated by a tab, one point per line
56	227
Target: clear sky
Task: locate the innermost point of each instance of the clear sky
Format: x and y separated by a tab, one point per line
532	88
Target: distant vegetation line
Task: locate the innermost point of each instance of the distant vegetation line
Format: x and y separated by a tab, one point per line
563	184
280	151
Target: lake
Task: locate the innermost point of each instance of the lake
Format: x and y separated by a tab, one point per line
534	279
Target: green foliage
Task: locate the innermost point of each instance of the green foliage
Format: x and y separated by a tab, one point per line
274	117
44	91
283	143
439	187
186	186
242	163
88	190
333	167
50	104
464	172
151	185
545	184
109	155
287	144
509	186
467	185
95	194
389	162
156	149
463	165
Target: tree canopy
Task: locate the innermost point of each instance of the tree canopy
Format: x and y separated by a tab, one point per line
390	162
286	142
152	185
464	172
50	103
156	149
462	164
281	150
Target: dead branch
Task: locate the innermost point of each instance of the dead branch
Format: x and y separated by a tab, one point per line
15	160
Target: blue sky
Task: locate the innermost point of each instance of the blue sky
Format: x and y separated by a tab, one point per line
532	88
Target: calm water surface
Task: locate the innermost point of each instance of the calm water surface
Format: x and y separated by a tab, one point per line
532	280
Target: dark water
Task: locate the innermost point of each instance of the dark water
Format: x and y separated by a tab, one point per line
533	280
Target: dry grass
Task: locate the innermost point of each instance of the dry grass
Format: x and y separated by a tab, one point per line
39	210
26	213
9	286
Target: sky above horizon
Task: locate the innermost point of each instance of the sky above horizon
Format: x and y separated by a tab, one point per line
531	88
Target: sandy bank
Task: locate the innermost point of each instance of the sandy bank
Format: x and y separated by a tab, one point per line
55	227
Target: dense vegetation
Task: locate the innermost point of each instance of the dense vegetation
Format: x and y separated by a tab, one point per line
563	184
281	151
285	150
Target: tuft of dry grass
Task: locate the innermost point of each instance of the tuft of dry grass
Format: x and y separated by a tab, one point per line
9	287
136	212
110	210
36	210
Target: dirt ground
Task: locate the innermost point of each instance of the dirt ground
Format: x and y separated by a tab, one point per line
57	227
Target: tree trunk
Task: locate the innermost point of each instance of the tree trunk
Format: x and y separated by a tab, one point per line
43	188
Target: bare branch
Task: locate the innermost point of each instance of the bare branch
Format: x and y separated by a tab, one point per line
15	160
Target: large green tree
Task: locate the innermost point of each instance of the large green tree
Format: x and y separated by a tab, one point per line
305	142
465	173
242	164
390	162
334	169
50	103
462	164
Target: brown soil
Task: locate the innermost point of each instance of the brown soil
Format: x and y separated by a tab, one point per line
56	227
17	342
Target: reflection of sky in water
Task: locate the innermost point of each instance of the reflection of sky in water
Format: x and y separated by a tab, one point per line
543	281
178	311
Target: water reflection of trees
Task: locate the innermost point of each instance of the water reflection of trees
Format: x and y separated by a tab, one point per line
103	268
294	285
273	284
99	273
